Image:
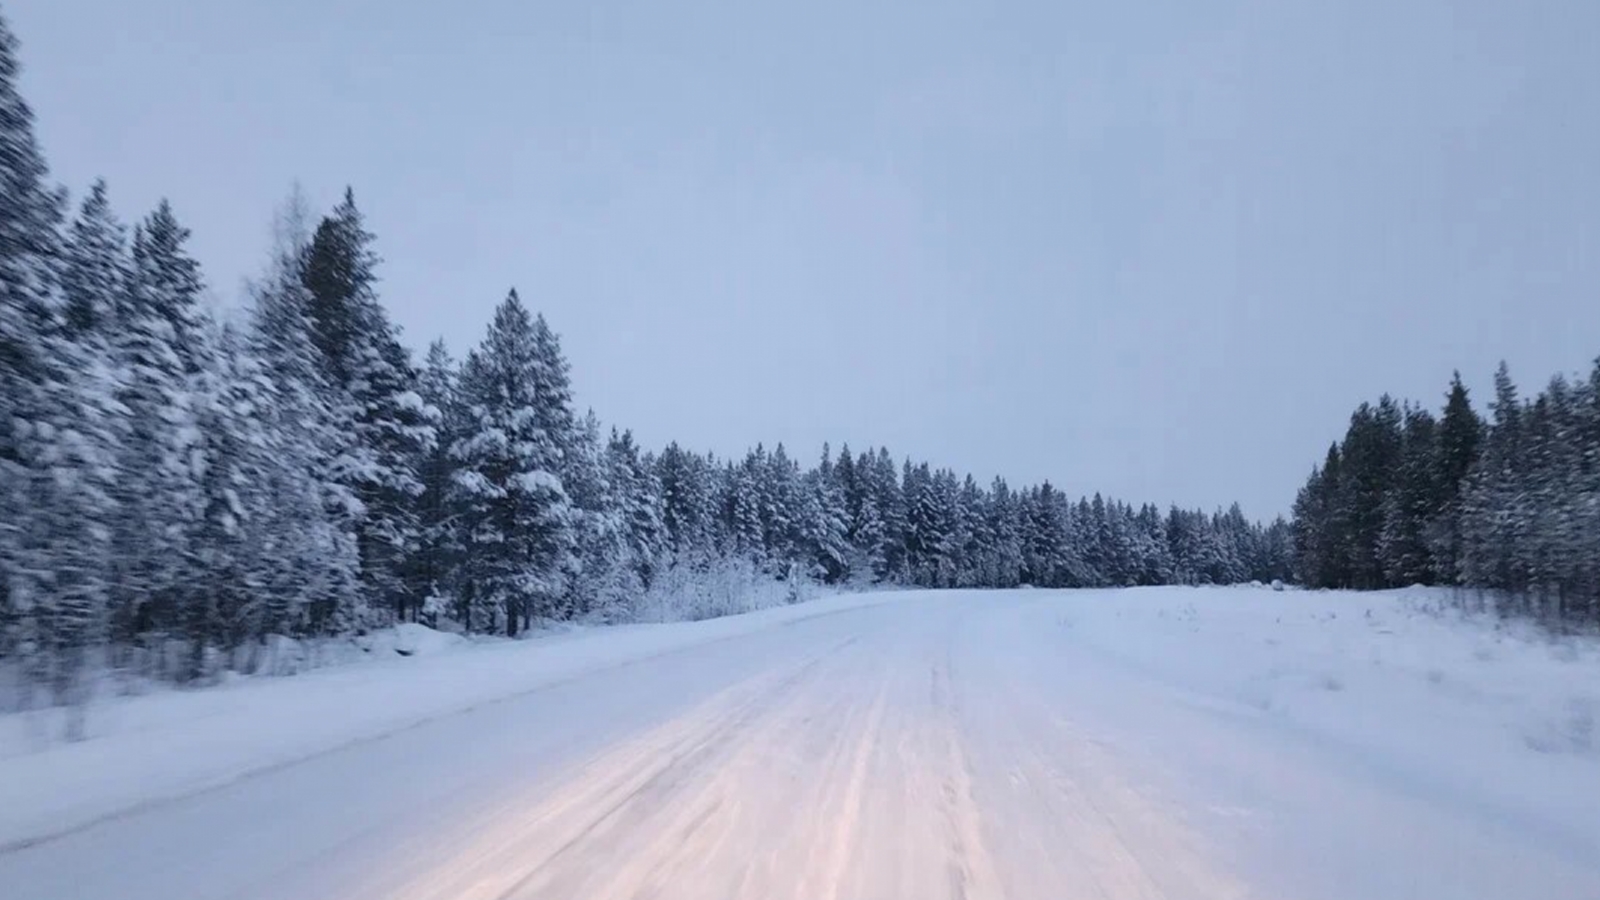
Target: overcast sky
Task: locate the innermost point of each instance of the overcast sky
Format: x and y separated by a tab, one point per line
1157	249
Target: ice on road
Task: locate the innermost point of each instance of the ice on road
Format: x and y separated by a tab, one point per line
973	745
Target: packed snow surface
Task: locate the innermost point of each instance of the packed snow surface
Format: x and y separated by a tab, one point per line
1151	743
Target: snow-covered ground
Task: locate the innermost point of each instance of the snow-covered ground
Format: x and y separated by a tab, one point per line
171	743
1182	743
1355	745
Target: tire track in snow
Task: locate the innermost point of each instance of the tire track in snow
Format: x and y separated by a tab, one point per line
534	853
1089	825
874	769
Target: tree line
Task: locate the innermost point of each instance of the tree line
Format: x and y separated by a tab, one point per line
1508	505
175	490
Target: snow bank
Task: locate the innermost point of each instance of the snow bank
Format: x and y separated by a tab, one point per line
1344	662
143	750
1495	720
412	639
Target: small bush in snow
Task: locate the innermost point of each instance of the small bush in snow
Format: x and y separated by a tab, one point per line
727	587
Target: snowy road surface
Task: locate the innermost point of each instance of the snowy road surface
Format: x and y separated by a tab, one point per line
1161	744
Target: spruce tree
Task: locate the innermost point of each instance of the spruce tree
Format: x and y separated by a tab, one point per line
605	582
1491	529
1005	527
1156	561
163	347
95	268
516	521
921	523
1100	553
1460	436
823	525
584	471
976	557
637	496
1370	458
744	492
687	504
374	389
232	542
57	434
310	525
1048	558
437	552
57	429
889	497
777	481
1412	504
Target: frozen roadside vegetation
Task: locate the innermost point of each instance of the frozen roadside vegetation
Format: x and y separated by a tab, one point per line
680	594
733	588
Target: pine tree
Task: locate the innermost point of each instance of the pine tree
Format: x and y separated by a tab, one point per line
823	525
921	524
743	509
584	469
1460	435
850	486
778	490
230	541
95	270
1491	531
889	497
605	582
1277	552
516	520
438	552
1583	498
397	429
339	272
94	280
311	523
163	346
71	445
638	501
1312	528
1156	559
1235	543
1100	554
688	508
1541	498
1371	458
373	387
57	429
976	556
1412	504
166	283
554	388
869	544
1005	527
57	434
1050	556
30	212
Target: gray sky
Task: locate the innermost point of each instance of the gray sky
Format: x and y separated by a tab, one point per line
1157	249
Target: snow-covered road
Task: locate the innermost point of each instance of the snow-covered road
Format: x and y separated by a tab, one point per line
955	745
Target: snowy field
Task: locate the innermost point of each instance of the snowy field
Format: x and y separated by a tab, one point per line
1151	743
